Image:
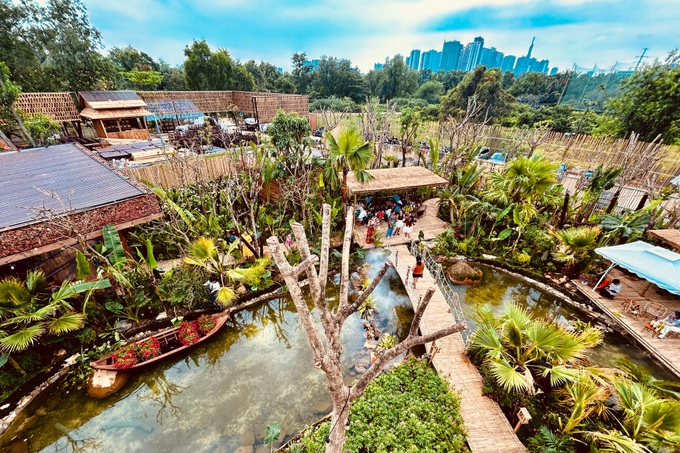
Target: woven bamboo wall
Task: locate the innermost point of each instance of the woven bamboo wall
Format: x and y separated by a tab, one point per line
267	106
220	101
183	172
206	101
583	150
58	106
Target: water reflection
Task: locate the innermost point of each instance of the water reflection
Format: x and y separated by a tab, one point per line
220	395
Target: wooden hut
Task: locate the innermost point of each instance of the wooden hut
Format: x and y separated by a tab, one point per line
390	180
116	114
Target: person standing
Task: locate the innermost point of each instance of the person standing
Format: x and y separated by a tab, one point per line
399	225
390	227
418	270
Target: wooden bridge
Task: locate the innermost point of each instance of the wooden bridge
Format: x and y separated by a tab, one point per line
488	430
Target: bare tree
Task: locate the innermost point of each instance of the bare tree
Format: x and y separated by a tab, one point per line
327	358
332	118
377	126
463	133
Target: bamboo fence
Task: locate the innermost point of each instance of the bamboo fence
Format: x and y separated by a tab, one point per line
583	151
183	171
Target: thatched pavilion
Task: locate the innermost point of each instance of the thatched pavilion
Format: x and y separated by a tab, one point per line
392	180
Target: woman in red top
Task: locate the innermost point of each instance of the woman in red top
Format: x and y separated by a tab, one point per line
418	270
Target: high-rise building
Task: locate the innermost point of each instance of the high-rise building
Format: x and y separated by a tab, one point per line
472	53
508	63
553	71
451	52
431	60
377	66
414	60
491	58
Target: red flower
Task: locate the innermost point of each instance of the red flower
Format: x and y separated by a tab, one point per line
206	323
188	333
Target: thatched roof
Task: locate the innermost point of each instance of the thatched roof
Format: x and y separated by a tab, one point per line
106	114
669	236
57	106
394	179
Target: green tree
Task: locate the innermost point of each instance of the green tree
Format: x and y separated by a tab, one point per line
396	80
648	102
431	91
336	77
205	70
348	153
485	86
52	47
243	79
144	80
130	59
302	72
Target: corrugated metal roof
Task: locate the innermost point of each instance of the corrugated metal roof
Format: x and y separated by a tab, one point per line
80	180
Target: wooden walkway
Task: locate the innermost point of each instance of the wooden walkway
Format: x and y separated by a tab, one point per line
429	224
667	350
488	429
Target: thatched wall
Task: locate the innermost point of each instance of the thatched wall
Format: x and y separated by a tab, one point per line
58	106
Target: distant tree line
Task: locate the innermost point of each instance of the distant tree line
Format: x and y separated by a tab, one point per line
55	48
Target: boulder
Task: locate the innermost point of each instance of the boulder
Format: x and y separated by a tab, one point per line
461	273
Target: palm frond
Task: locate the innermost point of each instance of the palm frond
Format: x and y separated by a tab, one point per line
67	323
22	339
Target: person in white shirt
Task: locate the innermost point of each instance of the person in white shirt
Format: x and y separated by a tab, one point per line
612	289
214	286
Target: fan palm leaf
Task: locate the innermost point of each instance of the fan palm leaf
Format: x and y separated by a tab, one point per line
511	378
225	296
22	339
66	323
35	282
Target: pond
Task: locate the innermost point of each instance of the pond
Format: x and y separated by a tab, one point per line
498	289
220	395
258	369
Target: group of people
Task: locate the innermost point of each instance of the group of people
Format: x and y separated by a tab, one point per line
399	215
670	324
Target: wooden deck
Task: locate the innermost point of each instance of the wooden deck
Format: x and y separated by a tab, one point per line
429	224
488	429
667	350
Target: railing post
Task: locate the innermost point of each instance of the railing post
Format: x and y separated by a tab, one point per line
396	258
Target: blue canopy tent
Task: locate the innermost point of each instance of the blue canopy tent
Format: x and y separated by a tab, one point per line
657	265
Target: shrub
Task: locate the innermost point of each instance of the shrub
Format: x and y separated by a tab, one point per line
125	357
149	349
409	408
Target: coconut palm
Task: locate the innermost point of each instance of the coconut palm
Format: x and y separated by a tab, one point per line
28	310
348	153
521	351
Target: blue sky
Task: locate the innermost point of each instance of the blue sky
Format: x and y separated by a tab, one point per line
585	32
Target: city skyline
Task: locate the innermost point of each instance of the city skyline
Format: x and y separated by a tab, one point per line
585	32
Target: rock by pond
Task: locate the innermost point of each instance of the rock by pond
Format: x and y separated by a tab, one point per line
461	273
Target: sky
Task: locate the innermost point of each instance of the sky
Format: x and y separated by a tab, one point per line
584	32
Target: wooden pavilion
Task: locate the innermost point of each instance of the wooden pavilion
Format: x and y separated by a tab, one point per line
116	114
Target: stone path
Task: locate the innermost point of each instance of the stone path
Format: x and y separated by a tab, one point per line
487	427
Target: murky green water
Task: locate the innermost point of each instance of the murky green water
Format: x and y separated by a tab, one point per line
257	370
498	289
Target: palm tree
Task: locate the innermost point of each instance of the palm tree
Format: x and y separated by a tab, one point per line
521	351
528	184
29	310
575	247
628	226
205	254
348	153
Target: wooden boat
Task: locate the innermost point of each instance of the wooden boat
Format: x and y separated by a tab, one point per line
166	337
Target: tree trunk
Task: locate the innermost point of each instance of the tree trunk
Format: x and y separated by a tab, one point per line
9	142
327	357
615	199
344	185
563	214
